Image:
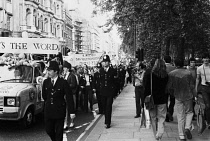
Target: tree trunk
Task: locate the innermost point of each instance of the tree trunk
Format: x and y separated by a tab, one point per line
168	40
180	49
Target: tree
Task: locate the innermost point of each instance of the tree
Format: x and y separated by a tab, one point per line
174	27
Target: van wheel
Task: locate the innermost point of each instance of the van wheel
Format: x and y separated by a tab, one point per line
28	119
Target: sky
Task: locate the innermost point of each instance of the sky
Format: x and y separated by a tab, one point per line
86	8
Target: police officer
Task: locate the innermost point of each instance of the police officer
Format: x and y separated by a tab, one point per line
54	91
107	89
97	88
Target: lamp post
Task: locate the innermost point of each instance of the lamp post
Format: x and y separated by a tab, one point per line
134	37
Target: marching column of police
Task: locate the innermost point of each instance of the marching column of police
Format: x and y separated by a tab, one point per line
81	87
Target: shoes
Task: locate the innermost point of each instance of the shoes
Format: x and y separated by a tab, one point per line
169	118
158	138
137	116
107	126
188	133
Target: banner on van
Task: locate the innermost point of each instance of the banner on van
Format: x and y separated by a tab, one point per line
29	45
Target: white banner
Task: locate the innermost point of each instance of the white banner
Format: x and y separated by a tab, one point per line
29	45
80	59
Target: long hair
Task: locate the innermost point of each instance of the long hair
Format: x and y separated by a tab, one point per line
159	68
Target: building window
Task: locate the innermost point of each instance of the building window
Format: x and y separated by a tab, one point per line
58	31
51	26
54	8
51	4
58	12
35	19
8	21
45	24
28	17
55	29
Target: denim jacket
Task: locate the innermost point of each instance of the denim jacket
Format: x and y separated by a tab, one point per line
181	84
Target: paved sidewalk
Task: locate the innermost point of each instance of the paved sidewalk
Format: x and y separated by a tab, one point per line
125	127
171	131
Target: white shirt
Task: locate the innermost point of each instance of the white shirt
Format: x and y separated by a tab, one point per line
106	69
87	79
55	79
200	71
66	75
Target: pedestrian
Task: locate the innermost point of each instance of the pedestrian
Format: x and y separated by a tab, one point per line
82	84
192	68
107	89
203	78
159	82
88	93
139	88
170	106
56	94
182	87
71	79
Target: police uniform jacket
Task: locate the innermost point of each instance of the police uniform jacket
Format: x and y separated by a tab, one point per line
72	80
97	81
56	97
107	82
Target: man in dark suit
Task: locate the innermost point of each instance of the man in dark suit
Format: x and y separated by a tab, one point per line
72	81
56	94
107	88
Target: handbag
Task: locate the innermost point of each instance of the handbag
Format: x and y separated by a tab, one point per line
201	123
149	101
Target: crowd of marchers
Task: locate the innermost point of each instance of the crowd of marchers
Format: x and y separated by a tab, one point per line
174	86
68	89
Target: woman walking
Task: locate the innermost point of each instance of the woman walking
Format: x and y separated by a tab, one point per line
159	81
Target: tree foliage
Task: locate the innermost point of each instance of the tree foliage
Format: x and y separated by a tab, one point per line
174	27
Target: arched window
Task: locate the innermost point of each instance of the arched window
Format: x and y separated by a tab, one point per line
41	23
55	30
54	8
58	31
45	3
51	25
35	18
41	2
28	16
46	25
51	4
58	11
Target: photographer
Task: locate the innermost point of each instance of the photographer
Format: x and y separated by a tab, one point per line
203	78
138	74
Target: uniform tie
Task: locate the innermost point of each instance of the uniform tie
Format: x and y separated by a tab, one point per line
52	81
